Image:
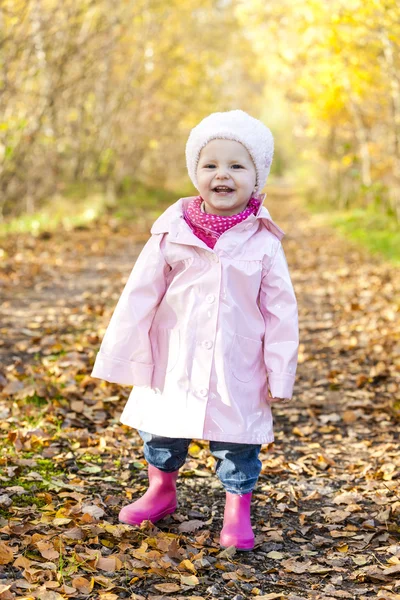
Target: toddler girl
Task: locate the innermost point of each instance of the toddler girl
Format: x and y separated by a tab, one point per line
206	328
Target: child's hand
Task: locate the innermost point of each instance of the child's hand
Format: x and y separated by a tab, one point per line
271	399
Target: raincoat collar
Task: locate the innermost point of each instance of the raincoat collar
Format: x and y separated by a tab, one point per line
171	219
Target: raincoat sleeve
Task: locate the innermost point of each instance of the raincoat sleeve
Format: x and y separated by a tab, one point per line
278	305
125	354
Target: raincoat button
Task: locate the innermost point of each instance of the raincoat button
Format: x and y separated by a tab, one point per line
203	391
210	298
208	344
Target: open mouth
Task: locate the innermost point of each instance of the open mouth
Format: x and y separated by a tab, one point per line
223	189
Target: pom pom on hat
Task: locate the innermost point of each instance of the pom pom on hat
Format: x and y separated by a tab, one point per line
232	125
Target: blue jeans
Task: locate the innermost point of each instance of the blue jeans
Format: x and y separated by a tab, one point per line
238	465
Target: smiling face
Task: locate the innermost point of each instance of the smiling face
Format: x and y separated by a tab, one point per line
226	177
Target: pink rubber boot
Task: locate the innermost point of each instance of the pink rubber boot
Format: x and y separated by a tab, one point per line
158	502
237	530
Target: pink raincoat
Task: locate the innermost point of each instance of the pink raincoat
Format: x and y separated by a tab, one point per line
200	332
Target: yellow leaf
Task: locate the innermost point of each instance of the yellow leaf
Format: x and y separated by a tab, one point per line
275	555
361	559
62	512
297	431
61	521
189	566
194	449
189	580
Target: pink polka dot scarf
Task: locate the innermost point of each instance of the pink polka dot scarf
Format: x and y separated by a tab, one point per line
209	227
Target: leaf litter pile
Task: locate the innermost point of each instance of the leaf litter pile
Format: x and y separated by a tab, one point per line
326	510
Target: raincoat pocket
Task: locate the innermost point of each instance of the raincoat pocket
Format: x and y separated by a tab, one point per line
167	348
244	357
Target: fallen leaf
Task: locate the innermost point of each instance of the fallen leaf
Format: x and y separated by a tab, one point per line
275	555
49	595
361	559
391	570
94	511
227	552
75	533
166	588
189	566
47	550
6	554
189	580
190	526
83	585
5	593
92	469
109	563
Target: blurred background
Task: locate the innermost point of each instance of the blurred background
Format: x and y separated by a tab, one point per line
97	99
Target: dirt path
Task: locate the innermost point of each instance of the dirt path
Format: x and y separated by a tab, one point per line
327	507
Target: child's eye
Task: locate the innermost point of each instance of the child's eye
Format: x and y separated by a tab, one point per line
212	166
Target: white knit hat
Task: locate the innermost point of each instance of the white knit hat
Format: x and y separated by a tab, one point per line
232	125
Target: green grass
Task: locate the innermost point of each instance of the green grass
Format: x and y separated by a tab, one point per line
46	467
369	228
59	211
80	205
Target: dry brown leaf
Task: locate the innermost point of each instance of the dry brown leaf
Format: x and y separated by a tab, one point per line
5	593
6	554
190	526
231	576
391	570
272	596
189	580
293	566
75	533
49	595
47	550
349	416
109	563
94	511
347	498
22	561
83	585
336	533
167	588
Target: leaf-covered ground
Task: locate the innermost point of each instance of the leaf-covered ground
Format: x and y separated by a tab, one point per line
327	507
